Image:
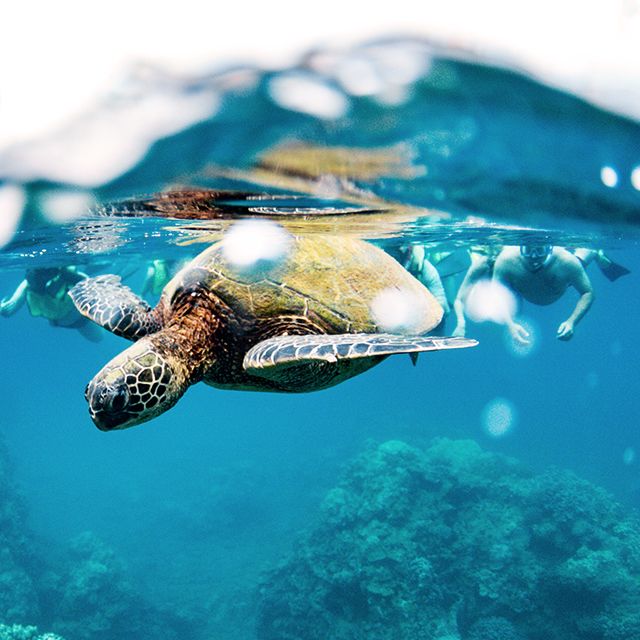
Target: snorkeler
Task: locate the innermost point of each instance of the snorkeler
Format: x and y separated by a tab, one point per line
46	293
483	259
159	273
415	261
541	274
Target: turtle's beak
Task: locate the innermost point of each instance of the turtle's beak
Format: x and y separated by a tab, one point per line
105	422
108	404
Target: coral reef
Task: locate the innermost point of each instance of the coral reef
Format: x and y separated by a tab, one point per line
459	544
92	598
18	597
18	632
81	592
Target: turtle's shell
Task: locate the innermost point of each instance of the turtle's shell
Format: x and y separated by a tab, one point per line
341	284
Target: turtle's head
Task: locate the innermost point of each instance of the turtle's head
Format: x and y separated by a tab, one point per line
134	387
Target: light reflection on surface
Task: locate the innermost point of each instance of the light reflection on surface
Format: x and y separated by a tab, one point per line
308	94
12	199
66	205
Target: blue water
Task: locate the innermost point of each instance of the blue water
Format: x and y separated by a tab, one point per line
191	512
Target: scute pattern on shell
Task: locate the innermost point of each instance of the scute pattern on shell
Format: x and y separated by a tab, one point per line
331	280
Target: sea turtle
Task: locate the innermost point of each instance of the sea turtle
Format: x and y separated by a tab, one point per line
305	321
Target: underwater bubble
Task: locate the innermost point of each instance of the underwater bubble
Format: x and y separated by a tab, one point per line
522	350
609	176
490	301
308	94
498	417
12	199
395	311
635	178
592	380
629	455
63	206
250	241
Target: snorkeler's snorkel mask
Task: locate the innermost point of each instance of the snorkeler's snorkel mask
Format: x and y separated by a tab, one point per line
535	256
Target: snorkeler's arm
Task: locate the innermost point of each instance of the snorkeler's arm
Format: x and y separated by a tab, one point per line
580	281
413	263
9	306
479	269
431	279
461	323
501	274
149	277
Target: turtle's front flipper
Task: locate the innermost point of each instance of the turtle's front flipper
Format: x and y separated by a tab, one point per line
273	358
112	305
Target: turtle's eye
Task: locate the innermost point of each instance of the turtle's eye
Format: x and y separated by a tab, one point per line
117	399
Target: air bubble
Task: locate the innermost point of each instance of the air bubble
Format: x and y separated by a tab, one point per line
498	417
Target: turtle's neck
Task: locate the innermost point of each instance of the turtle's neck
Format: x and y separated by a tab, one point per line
190	337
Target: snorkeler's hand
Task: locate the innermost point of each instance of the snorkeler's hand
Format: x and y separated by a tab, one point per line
519	333
7	307
459	331
565	331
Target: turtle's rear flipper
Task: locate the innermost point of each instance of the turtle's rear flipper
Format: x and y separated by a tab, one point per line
112	305
282	351
612	271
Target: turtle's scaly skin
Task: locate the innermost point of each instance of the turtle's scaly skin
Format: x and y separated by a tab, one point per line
326	284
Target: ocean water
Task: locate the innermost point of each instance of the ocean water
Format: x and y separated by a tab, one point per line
382	507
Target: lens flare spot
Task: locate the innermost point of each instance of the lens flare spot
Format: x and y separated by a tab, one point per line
249	242
12	200
490	301
498	417
609	177
635	178
629	455
395	311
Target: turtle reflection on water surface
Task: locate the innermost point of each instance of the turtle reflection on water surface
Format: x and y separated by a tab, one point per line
304	322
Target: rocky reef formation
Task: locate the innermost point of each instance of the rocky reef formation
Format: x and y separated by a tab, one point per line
18	632
81	592
453	543
18	594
